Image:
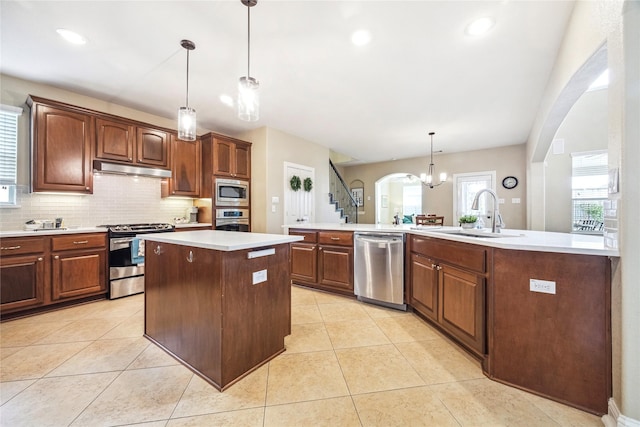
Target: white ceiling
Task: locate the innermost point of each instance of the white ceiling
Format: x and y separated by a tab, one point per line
420	72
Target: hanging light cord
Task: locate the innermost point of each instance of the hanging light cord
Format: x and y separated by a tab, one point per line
187	78
248	41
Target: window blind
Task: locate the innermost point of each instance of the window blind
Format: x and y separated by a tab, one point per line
9	144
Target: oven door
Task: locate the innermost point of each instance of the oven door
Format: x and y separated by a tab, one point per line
232	225
125	277
232	192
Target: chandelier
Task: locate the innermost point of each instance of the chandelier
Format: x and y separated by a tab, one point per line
427	178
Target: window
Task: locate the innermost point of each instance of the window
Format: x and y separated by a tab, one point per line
465	188
589	183
8	153
412	199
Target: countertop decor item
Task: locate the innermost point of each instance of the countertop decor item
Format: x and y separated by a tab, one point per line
186	115
308	184
467	221
295	182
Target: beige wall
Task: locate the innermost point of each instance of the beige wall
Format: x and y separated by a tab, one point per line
272	149
505	161
584	129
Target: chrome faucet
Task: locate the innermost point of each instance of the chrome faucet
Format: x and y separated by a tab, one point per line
496	219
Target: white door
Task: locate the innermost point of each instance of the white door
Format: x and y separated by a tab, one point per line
299	206
465	187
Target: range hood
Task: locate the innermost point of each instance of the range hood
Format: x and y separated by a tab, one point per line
117	168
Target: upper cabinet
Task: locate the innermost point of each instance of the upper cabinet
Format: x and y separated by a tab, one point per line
62	139
186	160
124	142
229	157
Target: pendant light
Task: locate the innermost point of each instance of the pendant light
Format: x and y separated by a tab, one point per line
248	87
186	115
427	179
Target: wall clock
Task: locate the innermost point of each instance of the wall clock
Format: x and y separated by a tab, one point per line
510	182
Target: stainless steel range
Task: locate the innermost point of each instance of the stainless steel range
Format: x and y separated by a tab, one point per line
126	256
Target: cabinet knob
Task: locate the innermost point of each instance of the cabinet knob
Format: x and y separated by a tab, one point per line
130	159
86	188
56	257
40	259
434	266
438	268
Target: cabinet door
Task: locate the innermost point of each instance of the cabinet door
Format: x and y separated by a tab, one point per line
242	163
335	267
152	147
185	168
304	262
78	274
62	143
114	140
424	286
461	306
21	282
224	153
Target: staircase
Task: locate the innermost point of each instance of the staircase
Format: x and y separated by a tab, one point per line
341	197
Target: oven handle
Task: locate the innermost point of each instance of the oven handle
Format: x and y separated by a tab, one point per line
119	243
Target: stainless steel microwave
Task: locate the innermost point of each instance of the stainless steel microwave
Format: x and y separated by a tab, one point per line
231	192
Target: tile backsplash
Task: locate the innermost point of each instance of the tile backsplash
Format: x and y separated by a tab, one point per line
115	199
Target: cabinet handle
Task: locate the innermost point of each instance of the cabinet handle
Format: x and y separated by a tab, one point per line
190	257
81	242
157	250
129	159
56	257
11	248
86	188
335	238
40	259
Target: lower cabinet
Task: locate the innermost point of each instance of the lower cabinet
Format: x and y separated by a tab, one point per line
447	284
40	271
323	260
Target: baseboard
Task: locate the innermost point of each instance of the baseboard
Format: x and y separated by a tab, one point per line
615	419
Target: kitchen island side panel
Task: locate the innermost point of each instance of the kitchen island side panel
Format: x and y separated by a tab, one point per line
183	305
555	344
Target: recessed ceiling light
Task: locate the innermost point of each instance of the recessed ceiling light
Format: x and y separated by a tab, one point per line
361	37
226	100
480	26
71	36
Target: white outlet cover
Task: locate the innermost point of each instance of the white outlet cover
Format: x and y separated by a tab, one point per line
542	286
259	276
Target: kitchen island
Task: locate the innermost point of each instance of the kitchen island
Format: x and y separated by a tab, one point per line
218	301
534	307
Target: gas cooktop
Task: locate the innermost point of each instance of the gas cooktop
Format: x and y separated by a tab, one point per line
139	228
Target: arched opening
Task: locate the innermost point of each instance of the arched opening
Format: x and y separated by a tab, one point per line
398	194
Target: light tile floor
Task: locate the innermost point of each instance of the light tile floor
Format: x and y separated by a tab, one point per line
346	364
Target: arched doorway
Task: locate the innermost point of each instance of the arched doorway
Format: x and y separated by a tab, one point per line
397	194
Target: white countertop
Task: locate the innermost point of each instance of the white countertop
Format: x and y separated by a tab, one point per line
221	240
51	231
526	240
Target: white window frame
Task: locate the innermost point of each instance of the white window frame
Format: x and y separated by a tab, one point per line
9	118
459	178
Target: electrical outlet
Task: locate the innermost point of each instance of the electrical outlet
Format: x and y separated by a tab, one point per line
259	276
543	286
515	200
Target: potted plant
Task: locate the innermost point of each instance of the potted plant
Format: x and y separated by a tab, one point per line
468	221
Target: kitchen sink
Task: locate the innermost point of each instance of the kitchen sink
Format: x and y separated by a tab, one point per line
482	233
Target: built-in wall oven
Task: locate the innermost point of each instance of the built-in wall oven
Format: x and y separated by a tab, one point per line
231	192
232	219
126	256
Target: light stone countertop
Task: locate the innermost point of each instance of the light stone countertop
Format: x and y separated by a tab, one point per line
51	231
221	240
525	240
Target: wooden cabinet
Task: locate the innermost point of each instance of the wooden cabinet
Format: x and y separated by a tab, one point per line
122	141
186	173
447	284
78	265
62	139
223	156
22	273
323	260
37	272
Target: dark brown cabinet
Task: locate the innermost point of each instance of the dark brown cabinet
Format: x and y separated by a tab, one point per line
186	161
226	157
78	265
447	282
323	260
37	272
62	139
22	273
122	141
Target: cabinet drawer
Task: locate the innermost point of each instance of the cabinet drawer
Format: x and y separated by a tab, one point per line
78	241
338	238
310	236
463	255
21	245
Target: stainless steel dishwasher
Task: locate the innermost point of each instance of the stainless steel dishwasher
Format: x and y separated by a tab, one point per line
379	268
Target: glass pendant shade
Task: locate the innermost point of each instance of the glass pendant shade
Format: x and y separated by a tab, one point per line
186	124
248	99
